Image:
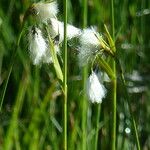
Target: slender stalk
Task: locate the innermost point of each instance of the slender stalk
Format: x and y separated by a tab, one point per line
84	13
116	61
113	19
97	125
65	75
84	100
84	110
114	87
12	60
114	91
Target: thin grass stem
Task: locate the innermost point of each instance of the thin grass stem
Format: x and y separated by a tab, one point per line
84	13
114	87
65	75
97	125
12	60
84	111
84	99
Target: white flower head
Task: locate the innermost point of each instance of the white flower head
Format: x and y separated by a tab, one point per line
44	11
57	29
95	89
89	37
38	48
37	45
89	46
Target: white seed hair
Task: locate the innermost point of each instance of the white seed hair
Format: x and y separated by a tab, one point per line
57	28
85	55
89	46
95	89
37	46
88	37
45	11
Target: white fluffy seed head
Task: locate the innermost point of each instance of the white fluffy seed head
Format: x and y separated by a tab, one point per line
38	48
44	11
89	46
57	29
95	90
88	37
37	45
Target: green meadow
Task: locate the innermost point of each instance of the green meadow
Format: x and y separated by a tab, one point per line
48	106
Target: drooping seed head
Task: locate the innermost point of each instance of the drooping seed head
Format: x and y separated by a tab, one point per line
37	45
95	89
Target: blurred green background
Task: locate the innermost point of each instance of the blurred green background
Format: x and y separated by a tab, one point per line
32	112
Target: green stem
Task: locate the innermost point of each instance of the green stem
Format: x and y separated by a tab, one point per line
113	19
116	61
10	67
84	110
114	87
84	99
114	106
84	13
65	75
97	125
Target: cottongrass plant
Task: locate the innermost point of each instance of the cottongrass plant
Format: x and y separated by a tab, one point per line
56	32
93	49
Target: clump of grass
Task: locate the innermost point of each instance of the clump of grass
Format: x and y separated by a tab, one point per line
36	113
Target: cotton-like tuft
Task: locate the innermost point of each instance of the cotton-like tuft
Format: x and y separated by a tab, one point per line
37	45
85	55
44	11
88	37
89	46
57	29
95	89
38	48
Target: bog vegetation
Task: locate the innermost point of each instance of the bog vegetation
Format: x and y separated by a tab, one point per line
74	75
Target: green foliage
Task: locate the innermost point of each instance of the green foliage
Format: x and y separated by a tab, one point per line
31	114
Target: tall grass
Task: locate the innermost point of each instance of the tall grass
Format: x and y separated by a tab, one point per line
36	112
84	98
114	85
65	75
